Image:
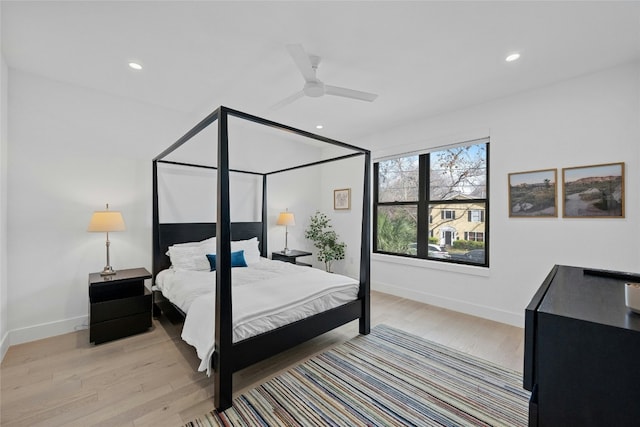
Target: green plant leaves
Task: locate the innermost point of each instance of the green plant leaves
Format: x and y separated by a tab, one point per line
321	232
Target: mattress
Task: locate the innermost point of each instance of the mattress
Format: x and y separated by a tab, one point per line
266	295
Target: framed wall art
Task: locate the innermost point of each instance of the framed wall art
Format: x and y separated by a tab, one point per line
595	191
342	199
533	193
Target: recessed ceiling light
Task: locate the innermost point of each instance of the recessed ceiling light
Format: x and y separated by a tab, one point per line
319	126
512	57
135	66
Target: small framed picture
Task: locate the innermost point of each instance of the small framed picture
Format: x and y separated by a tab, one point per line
342	199
533	194
595	191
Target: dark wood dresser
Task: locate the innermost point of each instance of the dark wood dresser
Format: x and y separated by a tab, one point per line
582	350
119	305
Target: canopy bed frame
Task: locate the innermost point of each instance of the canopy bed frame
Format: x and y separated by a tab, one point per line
229	356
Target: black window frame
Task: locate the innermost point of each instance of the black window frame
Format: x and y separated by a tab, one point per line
423	203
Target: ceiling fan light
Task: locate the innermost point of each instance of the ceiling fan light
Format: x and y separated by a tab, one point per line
314	89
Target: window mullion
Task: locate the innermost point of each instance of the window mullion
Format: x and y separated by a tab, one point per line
409	203
423	206
376	168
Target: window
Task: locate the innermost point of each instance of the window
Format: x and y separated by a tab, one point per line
397	229
474	236
476	216
448	214
434	205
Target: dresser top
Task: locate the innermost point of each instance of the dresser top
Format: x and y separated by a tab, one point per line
591	295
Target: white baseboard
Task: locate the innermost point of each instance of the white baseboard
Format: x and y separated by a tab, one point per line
502	316
46	330
4	346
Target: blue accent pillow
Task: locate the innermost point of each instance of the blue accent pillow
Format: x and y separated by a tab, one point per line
237	260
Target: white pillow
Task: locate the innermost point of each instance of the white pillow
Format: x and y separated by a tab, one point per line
193	255
209	241
201	242
189	258
250	248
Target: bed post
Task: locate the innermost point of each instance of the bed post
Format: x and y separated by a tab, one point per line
155	238
223	362
365	249
263	246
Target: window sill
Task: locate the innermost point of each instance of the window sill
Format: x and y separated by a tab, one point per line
435	265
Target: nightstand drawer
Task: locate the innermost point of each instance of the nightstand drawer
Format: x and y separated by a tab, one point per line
114	309
279	257
119	328
99	292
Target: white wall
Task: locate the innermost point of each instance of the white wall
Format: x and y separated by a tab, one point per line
309	190
4	341
588	120
298	191
187	194
70	151
347	223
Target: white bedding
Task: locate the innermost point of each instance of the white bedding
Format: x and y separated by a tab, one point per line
266	295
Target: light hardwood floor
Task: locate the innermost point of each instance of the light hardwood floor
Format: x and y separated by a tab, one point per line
152	378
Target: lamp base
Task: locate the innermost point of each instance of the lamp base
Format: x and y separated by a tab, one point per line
286	251
108	271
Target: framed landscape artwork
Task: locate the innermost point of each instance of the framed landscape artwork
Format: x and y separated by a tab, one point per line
342	199
595	191
533	194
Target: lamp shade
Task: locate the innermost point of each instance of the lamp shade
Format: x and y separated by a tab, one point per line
106	221
286	218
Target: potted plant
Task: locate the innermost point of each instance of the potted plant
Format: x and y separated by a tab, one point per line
325	239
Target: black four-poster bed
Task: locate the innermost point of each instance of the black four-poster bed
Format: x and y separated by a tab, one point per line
232	356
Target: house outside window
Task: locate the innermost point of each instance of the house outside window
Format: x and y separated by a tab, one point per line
433	200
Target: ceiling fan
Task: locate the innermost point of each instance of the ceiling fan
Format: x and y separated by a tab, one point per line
314	87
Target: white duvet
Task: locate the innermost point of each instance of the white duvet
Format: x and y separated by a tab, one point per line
266	295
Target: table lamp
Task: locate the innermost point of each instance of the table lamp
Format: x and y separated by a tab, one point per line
106	221
286	219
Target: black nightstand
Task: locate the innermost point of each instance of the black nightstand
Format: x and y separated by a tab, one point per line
119	305
290	256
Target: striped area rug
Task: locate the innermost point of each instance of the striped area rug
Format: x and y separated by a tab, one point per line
387	378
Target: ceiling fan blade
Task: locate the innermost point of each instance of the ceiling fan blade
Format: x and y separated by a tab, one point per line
349	93
288	100
301	58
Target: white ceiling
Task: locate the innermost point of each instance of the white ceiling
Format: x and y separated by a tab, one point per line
422	58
